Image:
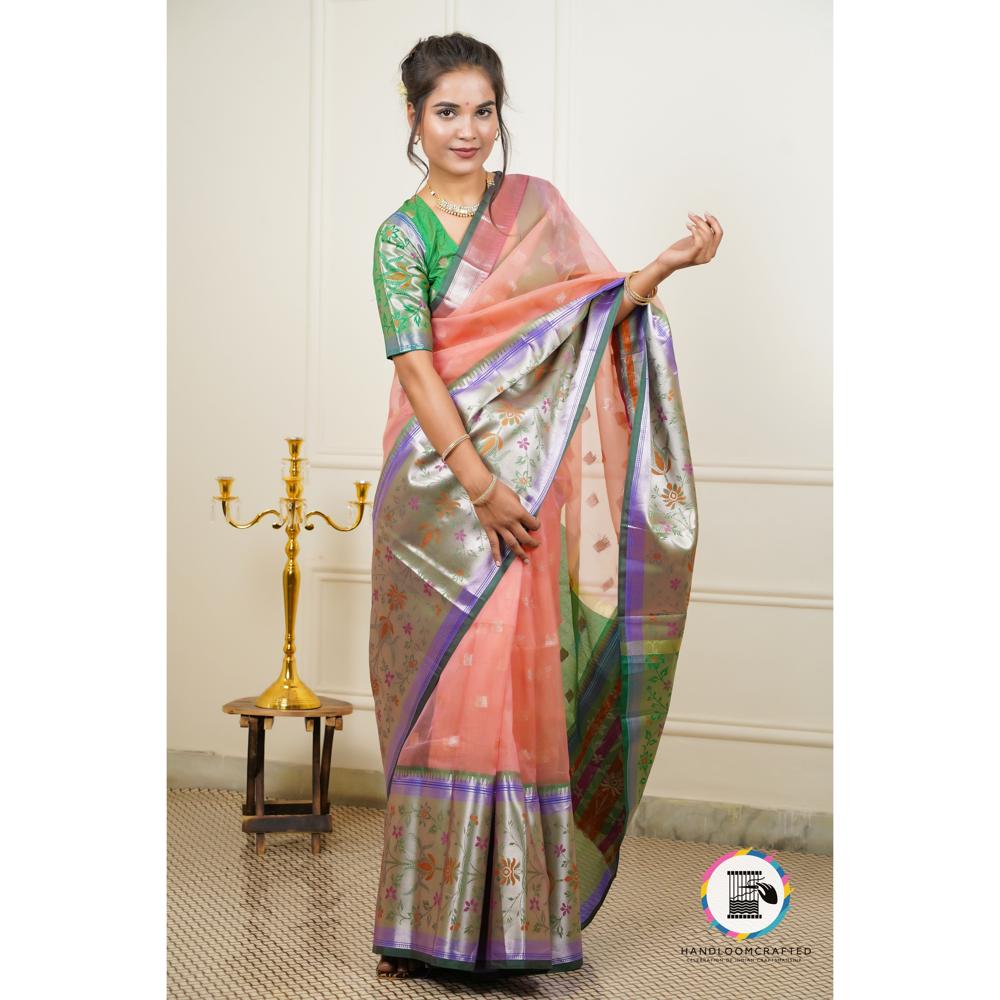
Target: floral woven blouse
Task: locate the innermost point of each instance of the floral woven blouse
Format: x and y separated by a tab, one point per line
413	255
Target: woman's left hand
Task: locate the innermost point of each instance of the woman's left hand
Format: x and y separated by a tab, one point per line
698	248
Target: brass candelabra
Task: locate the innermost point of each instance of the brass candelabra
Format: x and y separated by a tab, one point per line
289	691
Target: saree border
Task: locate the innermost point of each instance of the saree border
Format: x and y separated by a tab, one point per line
631	573
603	887
502	353
458	620
629	579
440	782
498	946
528	964
456	260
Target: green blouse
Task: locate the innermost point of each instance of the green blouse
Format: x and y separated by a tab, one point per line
413	253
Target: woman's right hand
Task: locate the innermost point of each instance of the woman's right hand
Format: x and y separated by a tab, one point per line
505	520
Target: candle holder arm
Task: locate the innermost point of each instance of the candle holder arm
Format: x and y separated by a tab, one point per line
361	490
332	523
249	524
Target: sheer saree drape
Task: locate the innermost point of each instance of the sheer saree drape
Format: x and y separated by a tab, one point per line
519	708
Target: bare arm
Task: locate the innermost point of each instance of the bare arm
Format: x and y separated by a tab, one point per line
503	516
642	284
698	248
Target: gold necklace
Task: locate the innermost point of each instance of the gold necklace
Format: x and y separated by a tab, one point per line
464	211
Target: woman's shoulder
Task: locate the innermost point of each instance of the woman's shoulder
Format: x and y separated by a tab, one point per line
400	228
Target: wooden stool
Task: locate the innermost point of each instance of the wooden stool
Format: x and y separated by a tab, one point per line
279	815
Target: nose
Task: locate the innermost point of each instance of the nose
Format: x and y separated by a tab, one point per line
466	128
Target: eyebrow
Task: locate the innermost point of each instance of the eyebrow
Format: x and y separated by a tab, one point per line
452	104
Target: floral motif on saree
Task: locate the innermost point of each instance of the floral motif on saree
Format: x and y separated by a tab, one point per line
519	708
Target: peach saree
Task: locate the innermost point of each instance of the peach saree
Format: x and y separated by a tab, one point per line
519	708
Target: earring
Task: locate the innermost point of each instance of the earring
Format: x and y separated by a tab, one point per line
497	136
416	140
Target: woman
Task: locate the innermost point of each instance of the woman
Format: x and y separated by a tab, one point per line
534	537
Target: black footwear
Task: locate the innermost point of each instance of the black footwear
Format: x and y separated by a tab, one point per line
386	968
395	972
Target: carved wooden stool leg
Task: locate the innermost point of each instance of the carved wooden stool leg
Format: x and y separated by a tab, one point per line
249	808
258	781
324	774
314	725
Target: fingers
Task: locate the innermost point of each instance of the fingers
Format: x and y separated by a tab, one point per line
523	537
696	236
513	544
494	545
716	227
705	232
509	525
709	238
700	233
529	522
703	227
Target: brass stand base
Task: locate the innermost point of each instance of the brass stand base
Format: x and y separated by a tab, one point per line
288	696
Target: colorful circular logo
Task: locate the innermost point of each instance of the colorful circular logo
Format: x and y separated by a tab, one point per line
745	894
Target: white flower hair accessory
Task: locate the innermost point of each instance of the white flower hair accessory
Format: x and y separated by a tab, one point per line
402	91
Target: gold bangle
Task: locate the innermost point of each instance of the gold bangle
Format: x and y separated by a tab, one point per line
639	300
484	496
453	444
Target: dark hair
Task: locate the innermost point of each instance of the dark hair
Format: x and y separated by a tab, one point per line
438	54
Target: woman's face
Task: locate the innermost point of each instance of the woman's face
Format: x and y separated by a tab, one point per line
459	114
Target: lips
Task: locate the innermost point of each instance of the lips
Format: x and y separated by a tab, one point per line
461	149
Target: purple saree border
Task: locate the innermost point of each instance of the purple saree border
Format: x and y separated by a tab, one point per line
632	580
635	536
595	899
635	550
504	790
400	451
595	323
456	615
474	788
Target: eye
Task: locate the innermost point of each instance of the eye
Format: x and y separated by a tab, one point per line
483	112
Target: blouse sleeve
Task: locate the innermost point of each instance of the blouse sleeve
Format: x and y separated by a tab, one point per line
402	292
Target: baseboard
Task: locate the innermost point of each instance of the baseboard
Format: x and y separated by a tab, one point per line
670	819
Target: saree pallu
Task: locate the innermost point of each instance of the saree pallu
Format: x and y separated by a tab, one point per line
519	708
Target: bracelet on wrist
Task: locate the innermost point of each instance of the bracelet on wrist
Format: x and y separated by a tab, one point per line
639	300
485	495
456	442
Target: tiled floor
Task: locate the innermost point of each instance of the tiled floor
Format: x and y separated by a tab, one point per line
292	925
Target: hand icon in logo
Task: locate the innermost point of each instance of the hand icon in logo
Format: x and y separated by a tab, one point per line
767	891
